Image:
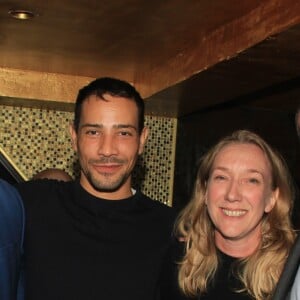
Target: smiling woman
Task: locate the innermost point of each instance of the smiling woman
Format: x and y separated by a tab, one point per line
239	193
237	227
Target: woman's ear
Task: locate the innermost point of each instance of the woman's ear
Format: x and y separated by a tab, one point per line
272	200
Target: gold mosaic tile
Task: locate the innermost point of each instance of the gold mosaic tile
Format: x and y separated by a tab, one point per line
36	139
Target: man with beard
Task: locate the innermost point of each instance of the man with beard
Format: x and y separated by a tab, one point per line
96	237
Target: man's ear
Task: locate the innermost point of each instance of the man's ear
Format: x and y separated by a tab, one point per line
143	139
272	200
73	136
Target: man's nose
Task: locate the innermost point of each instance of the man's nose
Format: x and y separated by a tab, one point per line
107	145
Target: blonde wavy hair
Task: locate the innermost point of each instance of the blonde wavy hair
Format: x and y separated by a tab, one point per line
259	272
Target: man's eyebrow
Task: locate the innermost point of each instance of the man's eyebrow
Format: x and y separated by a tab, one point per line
120	126
91	125
116	126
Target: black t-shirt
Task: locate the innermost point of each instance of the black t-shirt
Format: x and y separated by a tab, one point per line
225	284
78	246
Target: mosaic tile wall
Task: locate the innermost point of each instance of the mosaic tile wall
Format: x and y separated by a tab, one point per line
36	139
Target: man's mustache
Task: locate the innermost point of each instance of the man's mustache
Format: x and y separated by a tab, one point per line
107	160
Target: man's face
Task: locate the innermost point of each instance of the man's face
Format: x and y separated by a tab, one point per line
108	145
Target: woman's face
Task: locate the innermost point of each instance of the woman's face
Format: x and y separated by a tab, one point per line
238	194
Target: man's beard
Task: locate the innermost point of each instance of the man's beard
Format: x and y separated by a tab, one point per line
109	185
106	186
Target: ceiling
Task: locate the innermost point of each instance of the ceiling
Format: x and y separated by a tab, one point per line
182	55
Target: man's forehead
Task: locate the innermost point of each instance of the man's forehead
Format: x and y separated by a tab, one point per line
113	111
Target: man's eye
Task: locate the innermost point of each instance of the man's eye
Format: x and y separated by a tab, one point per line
125	133
91	132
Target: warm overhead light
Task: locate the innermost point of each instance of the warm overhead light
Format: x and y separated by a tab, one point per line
21	14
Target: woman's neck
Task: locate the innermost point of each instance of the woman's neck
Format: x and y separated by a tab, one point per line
237	248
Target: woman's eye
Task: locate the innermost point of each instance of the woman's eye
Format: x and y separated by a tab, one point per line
253	180
219	177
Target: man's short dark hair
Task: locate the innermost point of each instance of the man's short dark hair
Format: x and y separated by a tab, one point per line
113	87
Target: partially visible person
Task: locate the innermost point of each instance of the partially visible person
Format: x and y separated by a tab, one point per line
292	280
289	284
11	242
97	237
53	173
297	121
237	228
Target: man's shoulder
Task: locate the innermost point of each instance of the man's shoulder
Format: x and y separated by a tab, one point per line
42	189
8	195
154	203
7	188
11	214
41	184
160	208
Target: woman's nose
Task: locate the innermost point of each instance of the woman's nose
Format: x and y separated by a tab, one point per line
233	191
